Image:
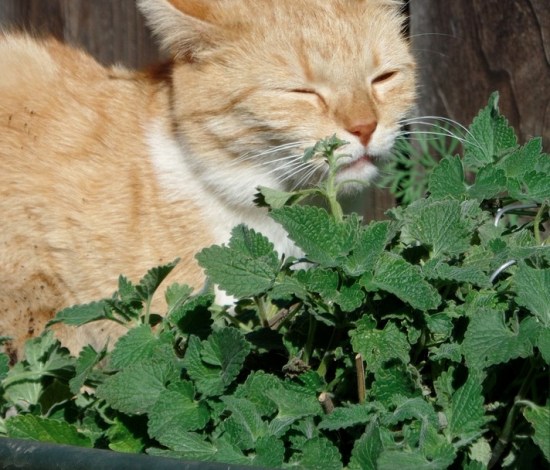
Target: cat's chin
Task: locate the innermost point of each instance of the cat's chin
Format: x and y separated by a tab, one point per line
360	170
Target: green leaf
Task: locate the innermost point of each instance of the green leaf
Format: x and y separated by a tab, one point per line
248	419
152	280
539	417
139	343
323	239
408	408
270	453
447	179
122	438
136	389
533	187
379	346
177	294
292	405
4	365
543	344
395	275
248	266
523	160
490	182
193	317
318	454
393	380
79	315
439	225
45	430
533	291
215	363
175	411
274	198
190	445
467	413
369	246
254	390
489	136
489	340
366	450
351	415
87	360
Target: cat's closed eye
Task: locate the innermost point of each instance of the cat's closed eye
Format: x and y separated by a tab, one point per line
384	77
311	92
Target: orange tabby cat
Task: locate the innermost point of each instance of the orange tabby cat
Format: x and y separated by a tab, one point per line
106	171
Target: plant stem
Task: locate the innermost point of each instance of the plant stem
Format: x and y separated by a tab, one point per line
360	368
308	350
506	434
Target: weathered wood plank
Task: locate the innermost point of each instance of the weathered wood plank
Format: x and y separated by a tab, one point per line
469	48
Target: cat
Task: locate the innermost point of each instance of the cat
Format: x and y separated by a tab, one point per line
106	171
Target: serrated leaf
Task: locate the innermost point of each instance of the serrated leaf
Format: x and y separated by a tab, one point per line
216	362
4	365
523	160
391	381
395	275
351	415
488	340
533	187
439	225
533	291
408	408
447	179
490	182
246	415
467	413
489	136
175	411
136	389
138	344
379	346
437	269
366	450
318	454
254	390
368	247
190	445
87	360
46	430
270	453
151	281
323	239
539	417
79	315
274	198
123	439
177	294
193	317
248	266
543	344
291	405
435	453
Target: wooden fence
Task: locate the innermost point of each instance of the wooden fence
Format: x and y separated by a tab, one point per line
465	50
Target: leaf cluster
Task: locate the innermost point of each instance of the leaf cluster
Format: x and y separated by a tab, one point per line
421	341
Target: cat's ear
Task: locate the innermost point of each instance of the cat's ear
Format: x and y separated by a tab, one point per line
183	26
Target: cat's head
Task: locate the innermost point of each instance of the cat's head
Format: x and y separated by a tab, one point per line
258	81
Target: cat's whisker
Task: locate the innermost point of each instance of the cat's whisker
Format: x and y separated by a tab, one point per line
432	121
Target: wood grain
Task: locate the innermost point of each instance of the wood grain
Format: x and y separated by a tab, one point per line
466	49
112	31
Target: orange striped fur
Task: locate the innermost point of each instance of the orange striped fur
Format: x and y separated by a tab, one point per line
106	171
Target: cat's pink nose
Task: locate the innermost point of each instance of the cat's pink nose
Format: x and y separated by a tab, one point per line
363	130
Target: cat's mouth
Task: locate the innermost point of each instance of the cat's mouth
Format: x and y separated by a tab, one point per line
356	163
